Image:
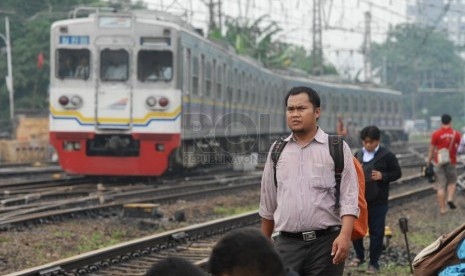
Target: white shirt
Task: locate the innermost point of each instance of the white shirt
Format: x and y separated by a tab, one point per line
367	155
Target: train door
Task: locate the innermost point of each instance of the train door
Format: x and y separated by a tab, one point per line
114	92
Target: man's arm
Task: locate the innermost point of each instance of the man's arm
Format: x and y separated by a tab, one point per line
268	203
393	169
430	154
341	244
267	227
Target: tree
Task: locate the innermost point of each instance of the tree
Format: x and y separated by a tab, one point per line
414	58
256	39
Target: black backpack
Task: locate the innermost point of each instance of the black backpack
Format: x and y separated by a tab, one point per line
335	149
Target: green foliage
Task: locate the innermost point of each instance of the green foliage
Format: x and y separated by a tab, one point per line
256	39
416	58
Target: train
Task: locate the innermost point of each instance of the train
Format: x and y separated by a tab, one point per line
138	93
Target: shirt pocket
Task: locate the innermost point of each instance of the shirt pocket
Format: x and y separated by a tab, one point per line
322	177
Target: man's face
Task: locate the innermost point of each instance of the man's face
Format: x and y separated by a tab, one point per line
370	144
301	115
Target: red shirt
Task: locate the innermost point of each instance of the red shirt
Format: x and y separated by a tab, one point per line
442	138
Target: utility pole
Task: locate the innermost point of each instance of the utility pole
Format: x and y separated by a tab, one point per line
220	15
367	47
211	10
9	77
317	54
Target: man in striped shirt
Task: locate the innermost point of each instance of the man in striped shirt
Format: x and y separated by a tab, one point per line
311	235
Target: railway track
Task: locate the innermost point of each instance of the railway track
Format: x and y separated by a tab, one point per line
193	243
38	203
112	199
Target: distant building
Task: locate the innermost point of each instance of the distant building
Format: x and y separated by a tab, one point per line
432	13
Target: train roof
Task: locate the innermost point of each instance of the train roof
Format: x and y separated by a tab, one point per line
340	85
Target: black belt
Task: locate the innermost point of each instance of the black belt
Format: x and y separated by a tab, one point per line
310	235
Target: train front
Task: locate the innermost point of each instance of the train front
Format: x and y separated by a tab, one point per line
114	105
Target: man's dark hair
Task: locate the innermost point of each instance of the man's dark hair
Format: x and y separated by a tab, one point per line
313	96
371	132
445	119
245	252
175	266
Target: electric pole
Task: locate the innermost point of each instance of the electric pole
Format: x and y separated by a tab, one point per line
367	47
317	51
9	77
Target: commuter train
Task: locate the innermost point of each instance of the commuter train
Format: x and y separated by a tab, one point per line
136	93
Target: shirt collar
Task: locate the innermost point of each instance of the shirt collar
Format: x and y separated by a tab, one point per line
320	137
374	152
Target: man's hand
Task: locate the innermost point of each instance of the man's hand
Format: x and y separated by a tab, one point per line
376	175
340	250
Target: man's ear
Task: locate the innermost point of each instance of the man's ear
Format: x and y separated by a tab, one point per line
318	112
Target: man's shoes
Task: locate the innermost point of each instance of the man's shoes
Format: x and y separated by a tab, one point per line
372	270
356	262
451	205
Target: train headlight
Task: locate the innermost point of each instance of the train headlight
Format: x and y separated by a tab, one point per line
163	102
76	101
151	102
63	100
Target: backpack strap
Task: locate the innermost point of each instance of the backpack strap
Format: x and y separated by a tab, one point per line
337	153
276	151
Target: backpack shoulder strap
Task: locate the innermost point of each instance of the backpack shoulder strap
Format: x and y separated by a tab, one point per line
359	156
276	151
335	143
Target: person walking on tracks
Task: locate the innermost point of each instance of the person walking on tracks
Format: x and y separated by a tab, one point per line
312	221
444	143
380	167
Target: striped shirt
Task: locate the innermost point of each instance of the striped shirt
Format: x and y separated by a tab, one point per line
304	199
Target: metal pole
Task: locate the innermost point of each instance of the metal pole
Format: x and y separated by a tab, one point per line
9	77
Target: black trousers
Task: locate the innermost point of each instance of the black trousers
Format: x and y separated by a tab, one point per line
309	257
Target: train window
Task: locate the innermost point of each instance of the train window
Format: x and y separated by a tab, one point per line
73	63
155	65
322	102
345	104
219	81
195	75
336	104
208	79
114	65
364	105
373	105
355	105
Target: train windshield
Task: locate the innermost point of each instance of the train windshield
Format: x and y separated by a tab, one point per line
155	66
72	63
114	65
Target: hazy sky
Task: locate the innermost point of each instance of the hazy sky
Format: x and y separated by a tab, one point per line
343	22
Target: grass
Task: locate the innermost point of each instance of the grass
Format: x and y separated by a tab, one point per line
98	240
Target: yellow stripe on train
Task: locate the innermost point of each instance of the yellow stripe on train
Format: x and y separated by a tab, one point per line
151	115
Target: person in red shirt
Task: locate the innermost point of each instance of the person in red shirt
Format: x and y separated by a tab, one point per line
445	138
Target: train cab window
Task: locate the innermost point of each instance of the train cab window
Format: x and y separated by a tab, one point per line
73	64
154	66
114	65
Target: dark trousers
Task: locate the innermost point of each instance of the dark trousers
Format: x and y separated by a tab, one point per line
376	223
309	257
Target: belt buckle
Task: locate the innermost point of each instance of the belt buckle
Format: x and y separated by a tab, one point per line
309	236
